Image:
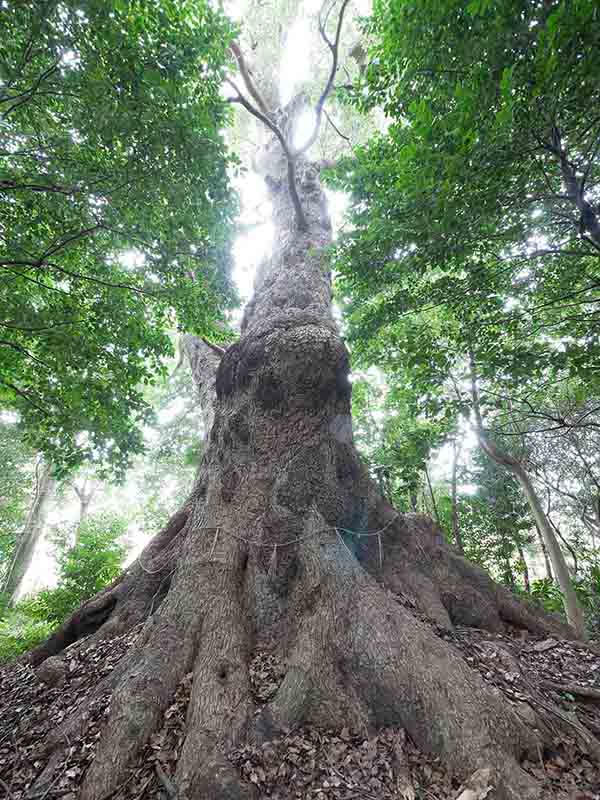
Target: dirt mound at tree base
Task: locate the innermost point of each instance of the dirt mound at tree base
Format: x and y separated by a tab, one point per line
303	762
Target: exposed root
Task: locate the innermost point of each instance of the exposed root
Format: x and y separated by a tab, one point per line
415	560
402	674
220	705
203	599
354	657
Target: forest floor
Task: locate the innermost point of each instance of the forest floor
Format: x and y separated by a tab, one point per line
304	763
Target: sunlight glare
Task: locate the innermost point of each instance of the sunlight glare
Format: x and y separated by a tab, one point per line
295	61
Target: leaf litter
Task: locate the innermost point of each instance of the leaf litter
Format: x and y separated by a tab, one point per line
305	762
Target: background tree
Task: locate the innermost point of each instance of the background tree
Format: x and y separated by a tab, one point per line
116	211
17	478
473	238
497	522
84	568
31	531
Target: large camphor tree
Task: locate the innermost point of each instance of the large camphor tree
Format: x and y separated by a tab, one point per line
286	543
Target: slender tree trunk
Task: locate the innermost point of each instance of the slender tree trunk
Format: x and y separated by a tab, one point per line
573	610
414	501
525	570
85	495
32	531
509	575
549	573
436	515
456	533
575	568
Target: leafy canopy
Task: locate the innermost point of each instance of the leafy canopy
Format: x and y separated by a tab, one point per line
474	216
116	210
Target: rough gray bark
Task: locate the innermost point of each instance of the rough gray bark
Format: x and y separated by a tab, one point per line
32	531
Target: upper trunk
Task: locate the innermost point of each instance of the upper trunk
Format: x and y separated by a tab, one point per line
282	436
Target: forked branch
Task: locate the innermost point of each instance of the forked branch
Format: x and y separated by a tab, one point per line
290	158
247	78
334	47
259	108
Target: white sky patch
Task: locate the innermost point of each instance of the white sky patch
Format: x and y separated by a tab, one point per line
132	259
70	59
249	250
173	409
304	128
295	67
338	205
255	243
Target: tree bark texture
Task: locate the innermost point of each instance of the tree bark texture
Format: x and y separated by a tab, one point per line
286	544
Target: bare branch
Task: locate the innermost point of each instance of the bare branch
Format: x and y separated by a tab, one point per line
239	98
247	78
291	159
220	351
334	126
334	47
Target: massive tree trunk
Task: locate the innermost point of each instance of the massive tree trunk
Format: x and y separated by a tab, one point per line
32	531
285	543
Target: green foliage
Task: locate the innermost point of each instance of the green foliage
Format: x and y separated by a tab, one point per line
165	473
83	568
394	439
465	237
19	633
546	592
587	587
495	521
116	210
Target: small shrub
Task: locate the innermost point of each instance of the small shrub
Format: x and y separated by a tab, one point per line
546	592
19	633
84	568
